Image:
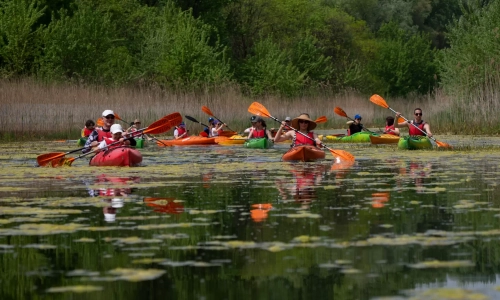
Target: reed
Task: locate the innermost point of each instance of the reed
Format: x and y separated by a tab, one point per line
31	110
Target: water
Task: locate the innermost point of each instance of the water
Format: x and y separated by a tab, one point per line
226	222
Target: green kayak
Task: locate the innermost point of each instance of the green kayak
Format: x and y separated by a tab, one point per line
414	142
358	137
261	143
141	143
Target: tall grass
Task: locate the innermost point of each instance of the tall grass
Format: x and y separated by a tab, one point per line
31	110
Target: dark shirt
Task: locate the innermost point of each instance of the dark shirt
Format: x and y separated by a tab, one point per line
355	128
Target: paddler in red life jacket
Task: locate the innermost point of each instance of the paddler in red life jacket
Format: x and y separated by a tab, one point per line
117	140
389	126
100	133
89	127
417	122
259	130
180	131
303	124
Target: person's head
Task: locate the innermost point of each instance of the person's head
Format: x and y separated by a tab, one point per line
215	122
211	120
357	118
418	113
137	123
90	124
303	122
252	120
108	117
182	124
288	120
259	122
116	131
389	121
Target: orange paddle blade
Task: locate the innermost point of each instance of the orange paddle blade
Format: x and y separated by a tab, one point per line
442	144
100	122
321	119
207	110
379	101
62	162
401	120
342	154
158	127
174	118
258	109
44	159
118	117
339	111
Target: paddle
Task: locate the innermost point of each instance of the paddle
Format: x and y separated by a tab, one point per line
209	112
162	125
381	102
46	158
321	119
339	111
258	109
194	120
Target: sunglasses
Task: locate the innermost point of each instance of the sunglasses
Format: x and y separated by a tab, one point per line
304	121
418	114
110	117
137	122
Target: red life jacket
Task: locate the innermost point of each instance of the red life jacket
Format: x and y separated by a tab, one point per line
180	131
415	131
110	141
101	134
389	130
86	132
257	134
299	139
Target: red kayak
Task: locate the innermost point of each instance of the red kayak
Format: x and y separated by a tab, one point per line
117	157
304	153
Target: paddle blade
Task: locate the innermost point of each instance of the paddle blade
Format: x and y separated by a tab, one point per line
401	120
62	162
258	109
207	110
100	122
174	118
321	119
339	111
118	117
191	119
46	158
379	101
342	154
158	127
443	144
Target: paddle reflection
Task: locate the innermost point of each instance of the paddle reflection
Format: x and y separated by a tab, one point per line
259	211
417	172
164	205
380	199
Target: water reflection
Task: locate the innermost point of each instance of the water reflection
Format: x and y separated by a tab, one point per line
164	205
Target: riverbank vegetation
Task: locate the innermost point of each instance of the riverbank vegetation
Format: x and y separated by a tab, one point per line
143	57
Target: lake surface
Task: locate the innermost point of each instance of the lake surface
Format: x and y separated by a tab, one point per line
232	223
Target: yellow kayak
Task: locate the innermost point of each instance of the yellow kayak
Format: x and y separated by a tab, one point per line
384	139
233	140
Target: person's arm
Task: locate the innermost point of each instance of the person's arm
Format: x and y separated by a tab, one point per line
250	135
269	135
280	138
402	124
427	129
319	144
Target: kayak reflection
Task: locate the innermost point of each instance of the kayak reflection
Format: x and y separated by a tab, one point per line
164	205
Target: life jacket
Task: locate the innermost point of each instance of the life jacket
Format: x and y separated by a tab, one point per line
102	133
181	131
110	141
86	132
299	139
258	134
415	131
389	130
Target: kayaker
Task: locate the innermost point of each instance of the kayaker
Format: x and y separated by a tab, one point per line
100	133
89	127
217	127
134	126
180	131
259	129
355	126
389	126
304	124
117	139
249	129
417	122
288	121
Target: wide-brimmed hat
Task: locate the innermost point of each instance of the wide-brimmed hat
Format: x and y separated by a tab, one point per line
295	122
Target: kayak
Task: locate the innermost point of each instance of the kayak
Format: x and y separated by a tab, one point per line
261	143
81	141
330	137
117	157
414	142
189	141
227	133
358	137
234	140
384	139
304	153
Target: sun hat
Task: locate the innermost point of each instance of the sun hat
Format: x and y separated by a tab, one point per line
295	122
288	119
357	117
116	128
108	112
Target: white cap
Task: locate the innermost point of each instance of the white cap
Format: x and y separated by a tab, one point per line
108	112
116	128
288	119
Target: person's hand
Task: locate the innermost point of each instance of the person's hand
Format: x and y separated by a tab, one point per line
429	134
398	114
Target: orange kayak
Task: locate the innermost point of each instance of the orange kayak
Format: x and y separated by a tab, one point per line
384	139
304	153
189	141
227	133
117	157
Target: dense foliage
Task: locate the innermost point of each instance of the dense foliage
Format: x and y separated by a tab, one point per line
284	47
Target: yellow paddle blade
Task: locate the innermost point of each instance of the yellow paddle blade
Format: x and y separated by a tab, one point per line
44	159
339	111
321	119
379	101
207	110
258	109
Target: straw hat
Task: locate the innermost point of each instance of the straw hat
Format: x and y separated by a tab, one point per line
295	122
